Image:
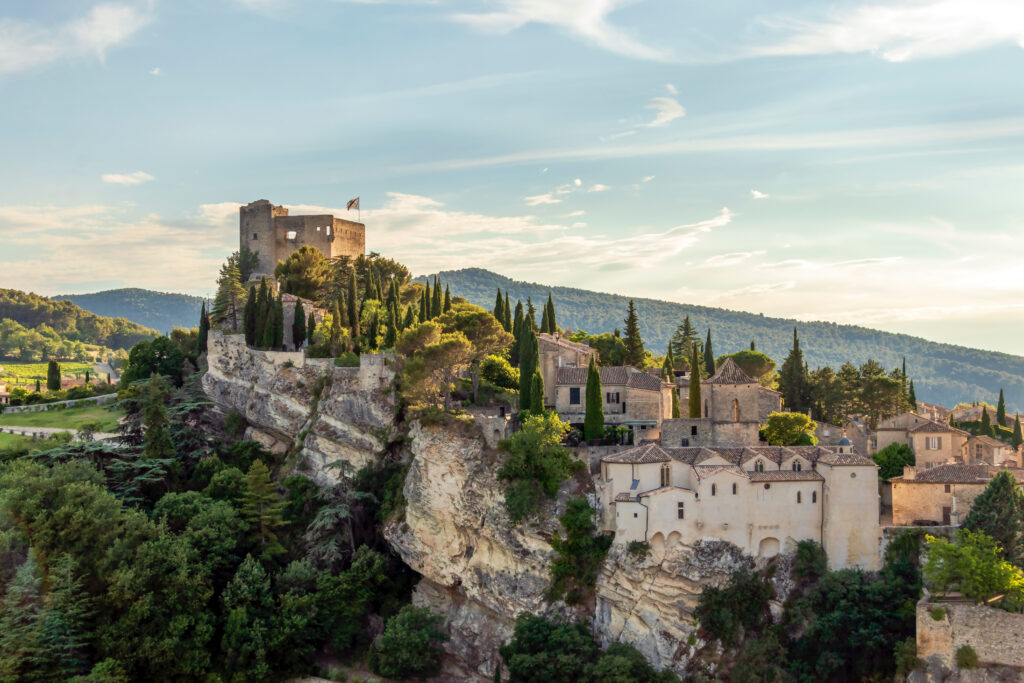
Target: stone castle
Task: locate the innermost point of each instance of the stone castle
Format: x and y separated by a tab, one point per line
269	231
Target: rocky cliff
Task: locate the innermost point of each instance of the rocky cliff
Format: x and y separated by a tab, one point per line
306	407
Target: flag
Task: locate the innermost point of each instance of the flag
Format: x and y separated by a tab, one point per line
352	204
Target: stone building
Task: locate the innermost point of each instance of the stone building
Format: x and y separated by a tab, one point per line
984	450
763	499
630	398
933	443
269	231
731	395
556	352
940	495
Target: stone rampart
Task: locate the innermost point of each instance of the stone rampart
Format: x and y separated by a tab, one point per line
945	627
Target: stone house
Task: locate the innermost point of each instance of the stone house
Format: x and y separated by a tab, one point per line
556	352
940	495
932	411
828	434
630	397
763	499
933	443
985	450
731	395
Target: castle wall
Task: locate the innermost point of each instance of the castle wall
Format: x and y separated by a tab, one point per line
256	231
708	433
851	533
993	633
350	239
293	232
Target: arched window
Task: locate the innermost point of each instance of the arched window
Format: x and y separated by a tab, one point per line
734	489
798	497
735	410
797	467
666	474
814	496
706	411
759	466
714	489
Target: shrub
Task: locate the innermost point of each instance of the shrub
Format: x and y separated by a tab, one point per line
742	601
536	463
639	549
410	645
966	657
810	562
499	371
938	613
892	459
906	657
349	359
579	555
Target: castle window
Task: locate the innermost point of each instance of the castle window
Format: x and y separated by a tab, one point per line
734	489
666	474
255	236
680	510
328	229
706	412
714	489
290	235
798	497
797	467
735	410
693	430
759	466
814	496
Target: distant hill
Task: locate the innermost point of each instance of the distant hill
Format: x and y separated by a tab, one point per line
158	310
942	373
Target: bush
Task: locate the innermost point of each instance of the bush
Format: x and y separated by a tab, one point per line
741	602
349	359
639	549
906	657
410	645
966	657
810	563
499	371
536	463
892	459
938	613
579	555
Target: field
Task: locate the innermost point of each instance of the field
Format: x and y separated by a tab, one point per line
10	440
27	373
72	418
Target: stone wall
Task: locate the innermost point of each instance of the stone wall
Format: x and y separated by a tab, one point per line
102	400
995	635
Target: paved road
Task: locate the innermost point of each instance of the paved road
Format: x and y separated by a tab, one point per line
48	431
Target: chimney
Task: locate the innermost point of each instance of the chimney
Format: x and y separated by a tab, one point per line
909	472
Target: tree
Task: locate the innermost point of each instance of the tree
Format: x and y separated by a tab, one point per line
335	336
249	608
304	273
447	306
517	332
754	363
1017	439
298	325
350	304
593	422
204	330
544	325
506	320
790	429
410	645
433	361
435	301
248	261
279	322
695	400
484	333
552	323
53	376
579	555
986	423
683	339
675	403
230	293
709	356
530	315
537	393
499	306
1001	409
912	396
157	444
543	651
536	462
974	563
998	511
794	383
892	459
634	344
528	363
261	506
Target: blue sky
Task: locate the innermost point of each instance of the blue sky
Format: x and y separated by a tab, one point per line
853	161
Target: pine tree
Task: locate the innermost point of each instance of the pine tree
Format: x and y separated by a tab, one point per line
999	512
157	442
1001	409
709	356
552	324
986	423
228	302
527	367
298	325
410	318
1017	439
683	339
447	300
435	302
506	320
335	340
634	344
261	506
911	396
204	330
793	379
279	322
593	422
499	307
65	625
694	383
53	376
311	325
20	612
353	311
537	393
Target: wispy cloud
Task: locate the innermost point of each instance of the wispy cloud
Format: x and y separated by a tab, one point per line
727	260
538	199
672	90
668	110
755	194
598	187
584	19
904	29
647	178
135	178
155	71
27	45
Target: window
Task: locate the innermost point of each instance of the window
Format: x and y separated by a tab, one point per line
680	510
798	497
734	489
686	442
714	489
735	410
254	236
290	235
611	397
814	496
797	467
706	412
759	466
693	430
635	515
666	474
574	396
948	488
328	229
933	443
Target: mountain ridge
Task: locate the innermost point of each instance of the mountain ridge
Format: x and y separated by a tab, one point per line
161	311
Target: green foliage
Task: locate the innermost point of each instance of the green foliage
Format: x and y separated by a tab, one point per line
53	376
634	344
641	549
754	363
1001	409
1018	438
536	462
906	657
498	371
937	613
743	601
529	357
347	359
810	562
261	506
892	459
157	443
998	512
537	393
762	659
787	429
304	273
578	556
410	644
973	563
966	657
593	421
694	396
160	357
298	325
229	300
347	598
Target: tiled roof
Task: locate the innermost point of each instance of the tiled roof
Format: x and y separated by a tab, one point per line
730	373
646	453
663	489
841	459
959	474
986	440
932	427
620	375
786	475
545	338
622	498
705	471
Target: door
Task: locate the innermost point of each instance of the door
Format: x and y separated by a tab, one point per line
947	515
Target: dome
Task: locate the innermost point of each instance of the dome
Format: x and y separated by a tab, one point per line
844	442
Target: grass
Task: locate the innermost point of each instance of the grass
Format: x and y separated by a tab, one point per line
71	418
11	440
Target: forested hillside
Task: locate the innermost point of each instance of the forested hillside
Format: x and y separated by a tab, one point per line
942	373
33	327
157	310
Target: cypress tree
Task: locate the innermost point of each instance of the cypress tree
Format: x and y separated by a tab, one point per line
87	378
279	322
530	316
350	304
634	344
298	325
593	422
410	318
544	323
369	290
335	338
1001	409
709	356
986	423
311	326
391	332
423	306
435	302
694	383
52	376
794	380
911	396
428	297
537	393
1017	439
517	332
204	329
752	347
675	402
506	321
38	388
527	367
249	317
499	307
447	300
552	325
668	373
374	332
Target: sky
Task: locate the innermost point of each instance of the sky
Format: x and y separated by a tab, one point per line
858	162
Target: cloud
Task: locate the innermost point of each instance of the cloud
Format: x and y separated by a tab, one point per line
572	214
616	136
135	178
155	71
598	187
754	194
726	260
903	30
584	19
668	110
28	45
647	178
538	199
577	182
672	90
579	224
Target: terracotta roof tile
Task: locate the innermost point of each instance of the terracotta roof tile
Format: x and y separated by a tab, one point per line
730	373
621	375
646	453
959	474
785	475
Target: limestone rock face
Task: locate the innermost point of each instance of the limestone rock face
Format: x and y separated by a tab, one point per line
304	405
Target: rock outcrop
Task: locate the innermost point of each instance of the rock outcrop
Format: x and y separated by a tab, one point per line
307	407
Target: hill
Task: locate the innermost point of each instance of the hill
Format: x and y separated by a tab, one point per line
942	373
157	310
33	327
